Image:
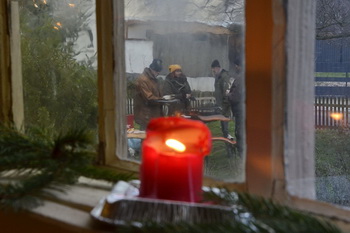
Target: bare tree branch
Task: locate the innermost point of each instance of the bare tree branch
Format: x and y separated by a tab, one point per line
332	19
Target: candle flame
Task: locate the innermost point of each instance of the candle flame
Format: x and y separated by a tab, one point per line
336	116
176	145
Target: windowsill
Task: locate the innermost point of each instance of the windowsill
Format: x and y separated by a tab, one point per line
70	211
67	211
338	215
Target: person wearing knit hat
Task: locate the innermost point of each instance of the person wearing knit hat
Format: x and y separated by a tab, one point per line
222	86
147	92
177	86
156	65
215	63
173	68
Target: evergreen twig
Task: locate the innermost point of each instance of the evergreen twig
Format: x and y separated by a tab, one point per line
33	163
98	173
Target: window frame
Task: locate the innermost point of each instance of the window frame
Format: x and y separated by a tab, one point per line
5	71
112	85
274	30
280	51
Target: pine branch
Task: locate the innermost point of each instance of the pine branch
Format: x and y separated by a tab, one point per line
105	174
13	145
279	217
33	163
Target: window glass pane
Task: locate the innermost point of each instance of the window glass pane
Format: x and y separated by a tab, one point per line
59	63
187	36
332	77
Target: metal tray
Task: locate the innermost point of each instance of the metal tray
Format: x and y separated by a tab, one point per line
123	206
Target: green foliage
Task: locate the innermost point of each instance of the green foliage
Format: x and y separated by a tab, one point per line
31	164
59	92
39	162
278	217
105	174
331	74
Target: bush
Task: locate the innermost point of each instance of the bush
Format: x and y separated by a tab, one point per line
60	93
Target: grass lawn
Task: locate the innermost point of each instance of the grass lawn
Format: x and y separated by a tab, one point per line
223	163
332	152
332	163
331	74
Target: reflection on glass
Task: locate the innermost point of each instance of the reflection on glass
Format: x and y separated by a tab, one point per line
332	151
58	47
185	58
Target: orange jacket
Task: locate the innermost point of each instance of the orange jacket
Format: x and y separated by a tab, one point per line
147	90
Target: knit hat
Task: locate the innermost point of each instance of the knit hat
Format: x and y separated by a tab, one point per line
156	65
174	67
215	63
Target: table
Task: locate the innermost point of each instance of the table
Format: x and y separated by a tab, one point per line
166	103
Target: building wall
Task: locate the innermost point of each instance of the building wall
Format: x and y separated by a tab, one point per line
194	49
194	52
138	55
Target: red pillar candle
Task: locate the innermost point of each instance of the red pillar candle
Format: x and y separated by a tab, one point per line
172	159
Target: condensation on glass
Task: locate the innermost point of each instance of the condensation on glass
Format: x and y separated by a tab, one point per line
190	34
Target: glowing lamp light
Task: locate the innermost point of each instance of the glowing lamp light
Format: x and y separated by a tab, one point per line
71	4
58	26
337	116
172	159
176	145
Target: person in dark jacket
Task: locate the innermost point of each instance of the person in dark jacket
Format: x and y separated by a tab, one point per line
147	93
235	97
222	86
176	85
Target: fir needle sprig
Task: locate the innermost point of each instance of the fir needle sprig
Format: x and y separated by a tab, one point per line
31	164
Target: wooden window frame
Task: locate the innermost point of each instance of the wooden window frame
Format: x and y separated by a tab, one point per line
279	69
277	129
